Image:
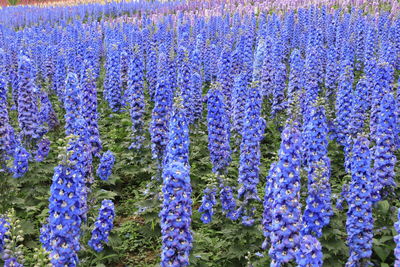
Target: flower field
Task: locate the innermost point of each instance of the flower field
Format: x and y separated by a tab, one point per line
200	133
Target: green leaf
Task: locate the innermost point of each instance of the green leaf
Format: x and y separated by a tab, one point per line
384	206
382	252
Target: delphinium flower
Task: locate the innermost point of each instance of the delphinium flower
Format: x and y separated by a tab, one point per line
43	149
267	71
184	84
151	70
44	236
73	102
397	240
296	77
102	226
318	209
286	214
225	77
75	125
125	55
344	102
135	93
207	204
311	83
89	105
177	203
310	252
59	76
64	217
197	95
47	114
196	84
28	112
112	81
370	47
331	74
359	223
360	33
106	164
48	64
239	97
218	125
250	154
258	60
384	150
279	82
13	255
381	85
161	112
4	226
268	204
247	54
12	262
5	134
178	135
172	68
21	161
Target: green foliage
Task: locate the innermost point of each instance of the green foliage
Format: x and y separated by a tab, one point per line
135	187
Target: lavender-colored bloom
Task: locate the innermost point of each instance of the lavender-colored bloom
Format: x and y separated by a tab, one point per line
310	253
136	101
103	225
43	149
359	223
286	214
21	161
207	203
106	164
